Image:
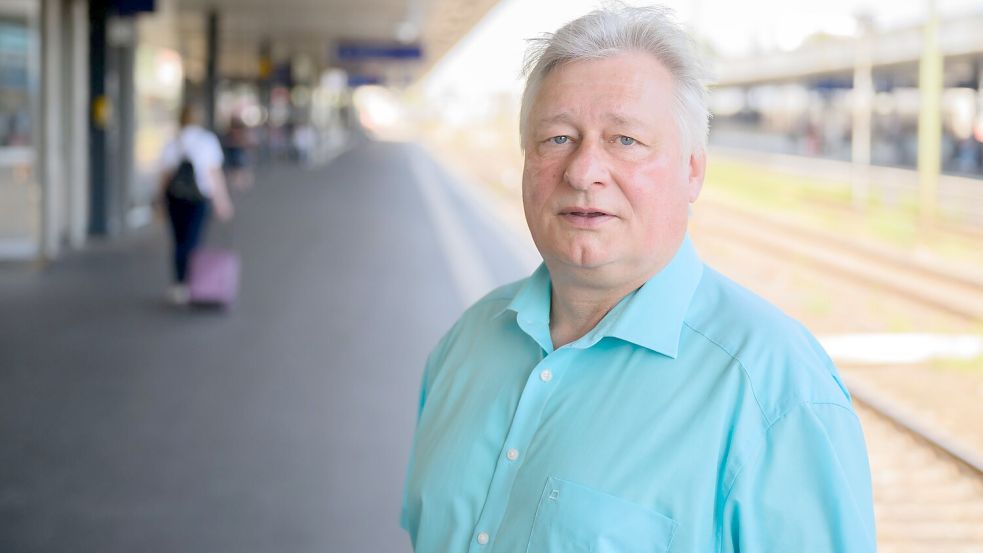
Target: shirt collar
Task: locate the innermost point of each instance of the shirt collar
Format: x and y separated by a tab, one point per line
532	307
651	316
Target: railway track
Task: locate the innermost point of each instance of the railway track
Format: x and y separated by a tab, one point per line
942	289
925	500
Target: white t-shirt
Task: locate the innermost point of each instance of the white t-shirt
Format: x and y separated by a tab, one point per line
202	149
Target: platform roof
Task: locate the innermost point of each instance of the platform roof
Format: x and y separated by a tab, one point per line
313	28
897	50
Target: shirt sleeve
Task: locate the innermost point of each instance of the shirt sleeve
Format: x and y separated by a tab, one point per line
212	151
404	518
808	489
205	152
430	372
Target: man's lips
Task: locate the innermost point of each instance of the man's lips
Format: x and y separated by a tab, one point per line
585	212
585	217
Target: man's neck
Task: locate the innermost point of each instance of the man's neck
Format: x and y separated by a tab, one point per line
576	307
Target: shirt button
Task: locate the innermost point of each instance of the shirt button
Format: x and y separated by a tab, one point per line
512	454
546	375
483	538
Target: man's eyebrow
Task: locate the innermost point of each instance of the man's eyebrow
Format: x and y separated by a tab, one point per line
623	119
563	117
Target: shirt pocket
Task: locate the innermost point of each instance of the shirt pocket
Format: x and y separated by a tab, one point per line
573	518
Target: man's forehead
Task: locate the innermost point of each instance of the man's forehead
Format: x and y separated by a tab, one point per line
621	89
548	117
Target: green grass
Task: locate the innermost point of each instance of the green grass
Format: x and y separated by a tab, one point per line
767	188
972	365
819	305
828	204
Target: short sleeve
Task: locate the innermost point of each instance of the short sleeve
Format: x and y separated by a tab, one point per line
808	489
211	151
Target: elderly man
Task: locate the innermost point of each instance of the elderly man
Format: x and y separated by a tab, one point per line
626	398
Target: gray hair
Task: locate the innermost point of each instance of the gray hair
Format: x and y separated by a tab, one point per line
617	29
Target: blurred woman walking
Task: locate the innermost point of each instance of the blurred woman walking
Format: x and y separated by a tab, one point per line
191	184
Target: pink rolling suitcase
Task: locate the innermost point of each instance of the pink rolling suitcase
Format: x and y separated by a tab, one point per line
213	277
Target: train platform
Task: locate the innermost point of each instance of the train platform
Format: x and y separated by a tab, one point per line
282	424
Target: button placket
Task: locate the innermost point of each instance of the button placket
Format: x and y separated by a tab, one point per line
525	423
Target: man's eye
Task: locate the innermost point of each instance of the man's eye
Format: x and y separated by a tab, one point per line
559	139
626	140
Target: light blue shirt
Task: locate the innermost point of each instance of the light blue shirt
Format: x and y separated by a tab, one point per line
694	417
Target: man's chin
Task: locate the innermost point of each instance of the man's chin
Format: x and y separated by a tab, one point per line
583	260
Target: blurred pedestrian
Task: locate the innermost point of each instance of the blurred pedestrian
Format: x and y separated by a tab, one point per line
238	144
191	185
305	140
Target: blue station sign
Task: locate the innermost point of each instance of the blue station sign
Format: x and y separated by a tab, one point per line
375	51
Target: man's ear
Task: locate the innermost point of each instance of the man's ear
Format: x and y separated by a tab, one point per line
697	171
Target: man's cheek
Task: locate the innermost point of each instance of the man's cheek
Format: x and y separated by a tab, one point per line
543	169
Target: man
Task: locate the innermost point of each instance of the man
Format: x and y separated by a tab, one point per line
626	398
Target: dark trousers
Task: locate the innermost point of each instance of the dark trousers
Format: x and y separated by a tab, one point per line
188	220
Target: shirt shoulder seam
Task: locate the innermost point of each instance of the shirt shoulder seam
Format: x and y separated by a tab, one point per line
767	430
733	484
846	408
747	375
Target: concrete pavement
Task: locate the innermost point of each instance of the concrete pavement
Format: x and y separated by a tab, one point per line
282	425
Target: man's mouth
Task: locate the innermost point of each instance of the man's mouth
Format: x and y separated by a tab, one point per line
586	213
586	218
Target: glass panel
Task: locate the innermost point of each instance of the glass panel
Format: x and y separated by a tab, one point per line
20	201
159	80
15	110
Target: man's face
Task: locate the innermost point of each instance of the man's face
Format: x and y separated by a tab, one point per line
605	183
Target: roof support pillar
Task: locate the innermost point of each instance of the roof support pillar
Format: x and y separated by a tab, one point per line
930	118
211	71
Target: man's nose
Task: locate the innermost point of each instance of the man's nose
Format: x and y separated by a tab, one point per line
587	166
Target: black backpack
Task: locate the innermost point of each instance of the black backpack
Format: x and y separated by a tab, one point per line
183	185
